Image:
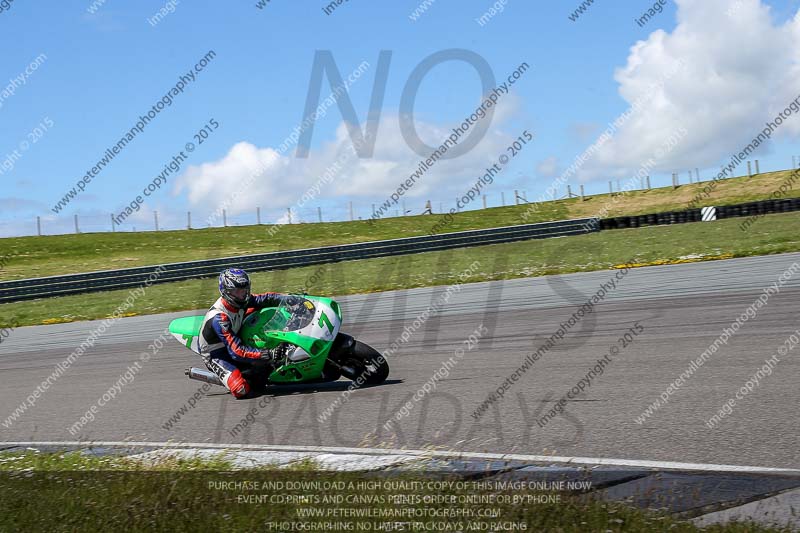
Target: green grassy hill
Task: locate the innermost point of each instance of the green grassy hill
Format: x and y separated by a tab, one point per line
678	243
26	257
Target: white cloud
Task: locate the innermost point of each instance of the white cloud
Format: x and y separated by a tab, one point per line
288	178
741	69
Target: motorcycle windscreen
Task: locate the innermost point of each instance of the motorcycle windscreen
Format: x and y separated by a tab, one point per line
293	314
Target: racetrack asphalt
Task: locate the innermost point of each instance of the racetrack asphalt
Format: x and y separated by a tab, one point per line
681	308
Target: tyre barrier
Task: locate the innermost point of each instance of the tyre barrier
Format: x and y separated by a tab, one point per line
764	207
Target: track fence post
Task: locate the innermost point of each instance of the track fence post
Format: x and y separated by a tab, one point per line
319	213
188	220
155	217
39	226
749	170
648	183
77	230
224	218
757	171
258	215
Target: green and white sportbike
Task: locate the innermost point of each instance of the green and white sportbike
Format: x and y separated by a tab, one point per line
310	324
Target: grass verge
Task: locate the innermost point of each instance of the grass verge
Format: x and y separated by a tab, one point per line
75	492
597	251
28	257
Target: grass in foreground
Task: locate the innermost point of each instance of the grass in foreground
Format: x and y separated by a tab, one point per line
597	251
70	492
28	257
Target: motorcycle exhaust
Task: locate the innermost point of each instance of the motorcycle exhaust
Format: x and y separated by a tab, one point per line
203	375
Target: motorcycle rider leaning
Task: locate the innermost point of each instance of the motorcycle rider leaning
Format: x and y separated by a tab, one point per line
222	349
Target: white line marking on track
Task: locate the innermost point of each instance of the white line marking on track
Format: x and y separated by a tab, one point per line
597	461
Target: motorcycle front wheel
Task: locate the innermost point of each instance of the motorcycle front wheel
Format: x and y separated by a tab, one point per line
365	365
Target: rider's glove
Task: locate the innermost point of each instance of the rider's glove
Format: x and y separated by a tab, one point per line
292	302
274	355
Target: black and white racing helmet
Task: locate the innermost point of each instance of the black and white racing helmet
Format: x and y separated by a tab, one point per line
234	286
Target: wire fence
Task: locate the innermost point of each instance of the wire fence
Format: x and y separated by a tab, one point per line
165	221
331	212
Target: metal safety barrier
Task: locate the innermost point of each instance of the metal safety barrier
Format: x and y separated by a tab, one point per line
28	289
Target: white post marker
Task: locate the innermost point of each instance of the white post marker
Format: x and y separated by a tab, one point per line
708	213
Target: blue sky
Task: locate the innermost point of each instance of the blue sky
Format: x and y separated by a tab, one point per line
101	71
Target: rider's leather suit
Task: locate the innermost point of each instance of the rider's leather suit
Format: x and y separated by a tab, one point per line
223	351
